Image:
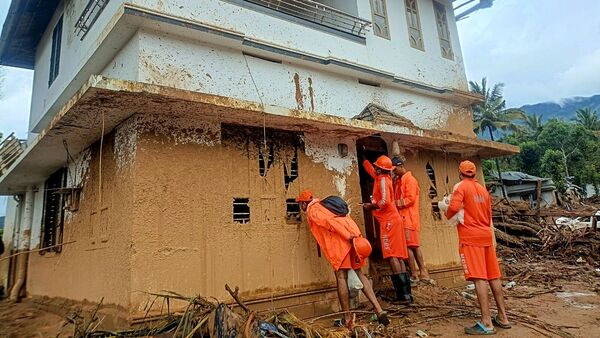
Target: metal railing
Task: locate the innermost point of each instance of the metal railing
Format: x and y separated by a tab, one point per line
10	149
318	13
88	17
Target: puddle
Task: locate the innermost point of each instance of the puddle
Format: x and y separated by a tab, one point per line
568	297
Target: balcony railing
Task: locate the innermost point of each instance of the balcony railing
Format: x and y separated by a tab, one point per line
318	13
88	16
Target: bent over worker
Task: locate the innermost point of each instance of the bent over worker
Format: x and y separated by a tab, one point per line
406	196
344	247
476	248
393	240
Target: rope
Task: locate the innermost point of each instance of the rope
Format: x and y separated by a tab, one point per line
262	104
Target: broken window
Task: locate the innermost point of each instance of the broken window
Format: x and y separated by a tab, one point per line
432	184
380	20
55	52
441	20
53	214
241	210
263	167
292	210
415	36
293	173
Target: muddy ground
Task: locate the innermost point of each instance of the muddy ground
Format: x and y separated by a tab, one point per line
551	299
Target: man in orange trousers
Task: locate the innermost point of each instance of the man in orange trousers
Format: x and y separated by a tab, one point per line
476	248
393	240
344	247
406	195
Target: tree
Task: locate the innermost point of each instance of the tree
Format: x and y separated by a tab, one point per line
553	167
588	118
491	115
533	124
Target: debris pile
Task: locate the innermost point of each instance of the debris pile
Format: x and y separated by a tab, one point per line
521	230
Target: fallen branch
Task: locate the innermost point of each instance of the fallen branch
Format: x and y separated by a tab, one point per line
234	294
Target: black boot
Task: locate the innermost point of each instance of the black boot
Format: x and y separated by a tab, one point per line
397	281
406	288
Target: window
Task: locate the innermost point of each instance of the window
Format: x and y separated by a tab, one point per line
55	54
292	210
241	210
380	19
441	20
53	216
415	36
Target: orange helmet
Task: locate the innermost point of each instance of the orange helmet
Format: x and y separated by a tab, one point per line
305	196
384	162
467	168
362	247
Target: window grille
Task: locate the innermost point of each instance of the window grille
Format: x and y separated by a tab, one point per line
55	53
380	19
292	210
53	215
241	210
441	20
88	17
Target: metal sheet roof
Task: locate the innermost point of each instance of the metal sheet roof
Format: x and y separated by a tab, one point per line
25	24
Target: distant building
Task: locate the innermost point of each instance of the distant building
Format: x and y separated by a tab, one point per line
523	187
168	139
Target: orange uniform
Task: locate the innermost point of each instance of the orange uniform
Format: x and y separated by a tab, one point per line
406	195
333	234
477	251
393	240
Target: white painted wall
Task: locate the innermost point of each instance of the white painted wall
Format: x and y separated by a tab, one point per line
190	65
394	56
176	58
74	54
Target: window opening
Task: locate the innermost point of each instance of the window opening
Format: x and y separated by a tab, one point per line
241	210
413	21
441	20
292	210
432	184
380	19
55	52
53	214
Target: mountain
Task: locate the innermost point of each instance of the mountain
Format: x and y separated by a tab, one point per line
565	109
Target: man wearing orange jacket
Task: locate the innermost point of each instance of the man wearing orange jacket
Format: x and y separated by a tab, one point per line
476	248
344	247
406	195
393	241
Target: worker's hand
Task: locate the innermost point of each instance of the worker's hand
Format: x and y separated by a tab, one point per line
369	206
352	237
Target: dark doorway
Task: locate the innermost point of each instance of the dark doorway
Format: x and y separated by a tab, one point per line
370	148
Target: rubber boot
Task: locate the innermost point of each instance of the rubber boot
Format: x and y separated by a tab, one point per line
397	281
406	288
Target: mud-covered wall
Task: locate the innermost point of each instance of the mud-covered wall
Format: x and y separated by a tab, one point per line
187	174
96	263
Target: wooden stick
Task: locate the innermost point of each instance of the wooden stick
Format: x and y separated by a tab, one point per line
35	250
234	294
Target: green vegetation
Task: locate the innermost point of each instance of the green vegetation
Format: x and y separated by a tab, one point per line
556	149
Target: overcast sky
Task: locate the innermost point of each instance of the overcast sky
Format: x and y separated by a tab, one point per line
543	50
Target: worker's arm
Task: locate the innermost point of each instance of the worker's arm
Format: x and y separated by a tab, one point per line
387	193
456	203
369	168
410	195
336	224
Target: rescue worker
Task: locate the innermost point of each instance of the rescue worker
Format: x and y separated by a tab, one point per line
344	247
393	241
476	248
406	196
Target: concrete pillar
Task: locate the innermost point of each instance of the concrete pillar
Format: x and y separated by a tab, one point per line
24	244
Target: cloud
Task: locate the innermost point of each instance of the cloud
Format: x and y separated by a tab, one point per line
542	50
583	77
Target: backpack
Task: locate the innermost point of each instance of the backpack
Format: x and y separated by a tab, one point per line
336	205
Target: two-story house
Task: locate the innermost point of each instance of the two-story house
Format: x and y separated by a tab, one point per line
168	140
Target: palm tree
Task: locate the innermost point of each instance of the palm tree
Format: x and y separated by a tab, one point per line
588	118
533	123
491	115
